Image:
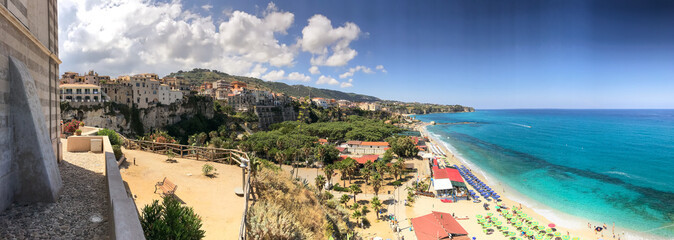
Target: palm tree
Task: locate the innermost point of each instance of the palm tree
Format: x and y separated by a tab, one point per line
350	167
376	205
345	199
357	215
355	189
398	168
366	173
329	170
280	156
376	184
320	182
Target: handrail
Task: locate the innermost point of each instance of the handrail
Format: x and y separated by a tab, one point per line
187	151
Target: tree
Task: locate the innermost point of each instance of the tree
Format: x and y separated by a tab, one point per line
403	146
350	166
376	205
357	215
345	199
366	173
388	156
398	168
170	220
376	184
355	190
320	182
329	170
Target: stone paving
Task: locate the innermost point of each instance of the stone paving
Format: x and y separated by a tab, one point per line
80	213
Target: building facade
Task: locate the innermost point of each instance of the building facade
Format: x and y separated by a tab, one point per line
29	102
86	93
118	92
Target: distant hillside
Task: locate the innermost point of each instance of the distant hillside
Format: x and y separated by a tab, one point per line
197	76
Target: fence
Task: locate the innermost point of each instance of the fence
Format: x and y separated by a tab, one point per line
219	155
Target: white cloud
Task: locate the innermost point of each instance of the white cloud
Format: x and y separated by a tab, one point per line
354	70
207	7
327	80
125	37
381	68
295	76
314	70
329	46
274	75
346	84
257	71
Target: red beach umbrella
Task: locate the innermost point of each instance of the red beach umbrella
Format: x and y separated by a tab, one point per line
551	225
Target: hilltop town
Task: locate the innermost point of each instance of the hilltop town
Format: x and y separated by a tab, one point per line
90	91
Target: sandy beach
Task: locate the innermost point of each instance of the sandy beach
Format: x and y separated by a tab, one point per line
213	199
576	227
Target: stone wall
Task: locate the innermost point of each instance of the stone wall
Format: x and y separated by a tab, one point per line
33	40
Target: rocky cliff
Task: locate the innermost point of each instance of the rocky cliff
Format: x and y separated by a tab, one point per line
131	121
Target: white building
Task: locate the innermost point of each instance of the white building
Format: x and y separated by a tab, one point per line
321	102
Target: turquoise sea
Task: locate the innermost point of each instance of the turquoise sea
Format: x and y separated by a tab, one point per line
603	165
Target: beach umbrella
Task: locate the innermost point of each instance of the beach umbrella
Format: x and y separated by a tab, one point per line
557	234
490	214
548	230
478	216
576	238
530	233
538	237
505	228
528	218
551	225
512	234
498	223
534	223
566	237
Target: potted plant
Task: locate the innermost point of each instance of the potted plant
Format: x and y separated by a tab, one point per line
81	124
78	132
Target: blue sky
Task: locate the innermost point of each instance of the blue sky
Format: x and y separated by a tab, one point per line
485	54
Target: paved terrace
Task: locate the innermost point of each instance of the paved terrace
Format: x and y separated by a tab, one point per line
81	211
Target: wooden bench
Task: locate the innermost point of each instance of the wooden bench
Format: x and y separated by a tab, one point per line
166	186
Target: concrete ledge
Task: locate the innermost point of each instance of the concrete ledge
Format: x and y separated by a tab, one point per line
124	223
83	143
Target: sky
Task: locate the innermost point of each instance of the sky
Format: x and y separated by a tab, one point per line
485	54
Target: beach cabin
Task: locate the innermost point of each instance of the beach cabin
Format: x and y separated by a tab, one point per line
458	190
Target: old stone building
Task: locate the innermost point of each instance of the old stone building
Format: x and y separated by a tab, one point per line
29	102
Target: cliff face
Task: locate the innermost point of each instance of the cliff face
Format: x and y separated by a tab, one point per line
124	120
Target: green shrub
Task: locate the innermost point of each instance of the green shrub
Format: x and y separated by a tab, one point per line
207	169
397	183
112	135
118	151
340	189
170	220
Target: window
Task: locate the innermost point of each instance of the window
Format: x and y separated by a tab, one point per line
87	91
78	91
137	84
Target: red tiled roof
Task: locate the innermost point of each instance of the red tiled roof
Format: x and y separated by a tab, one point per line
449	223
323	140
367	158
450	173
374	144
437	225
353	142
422	148
340	149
